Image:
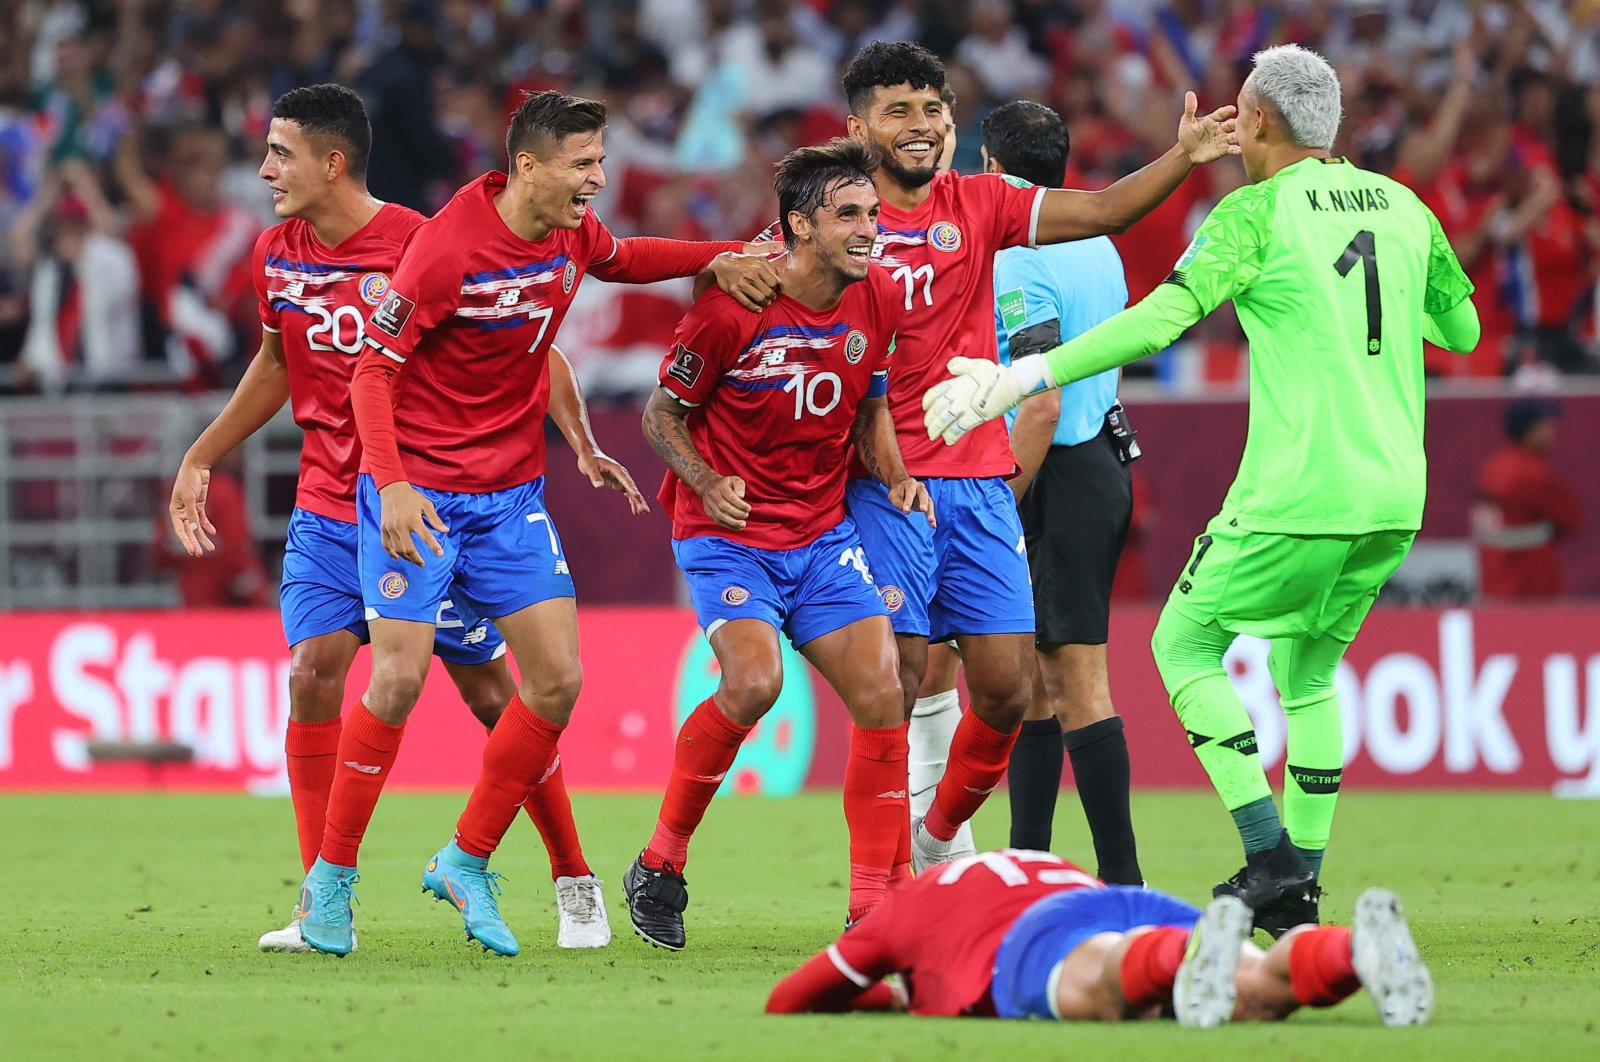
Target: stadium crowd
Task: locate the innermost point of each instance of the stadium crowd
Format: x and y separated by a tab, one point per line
130	133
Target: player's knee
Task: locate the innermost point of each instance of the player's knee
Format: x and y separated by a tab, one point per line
554	691
748	693
395	689
880	704
1183	649
316	690
487	698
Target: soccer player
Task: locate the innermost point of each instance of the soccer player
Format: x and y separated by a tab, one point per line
1075	497
317	275
1029	935
1337	274
756	417
449	399
937	234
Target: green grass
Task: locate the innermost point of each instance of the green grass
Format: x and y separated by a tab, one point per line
133	924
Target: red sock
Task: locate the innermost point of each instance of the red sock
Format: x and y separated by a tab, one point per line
550	808
311	751
1320	969
900	873
707	744
978	757
874	808
367	749
520	750
1150	965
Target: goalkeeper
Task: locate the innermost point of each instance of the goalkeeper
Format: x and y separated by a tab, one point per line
1338	274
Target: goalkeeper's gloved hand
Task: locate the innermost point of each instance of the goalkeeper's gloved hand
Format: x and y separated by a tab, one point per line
980	391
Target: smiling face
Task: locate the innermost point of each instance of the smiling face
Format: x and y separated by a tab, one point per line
563	177
296	172
907	126
842	230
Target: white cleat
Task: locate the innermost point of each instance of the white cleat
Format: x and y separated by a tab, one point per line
289	940
1387	961
961	845
927	850
583	913
1207	985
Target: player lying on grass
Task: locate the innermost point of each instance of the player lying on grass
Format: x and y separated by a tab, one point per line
1030	935
1338	275
758	416
317	275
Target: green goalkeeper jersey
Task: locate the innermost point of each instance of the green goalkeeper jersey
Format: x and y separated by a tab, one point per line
1331	268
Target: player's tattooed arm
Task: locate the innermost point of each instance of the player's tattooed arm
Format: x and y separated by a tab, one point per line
571	414
872	434
668	434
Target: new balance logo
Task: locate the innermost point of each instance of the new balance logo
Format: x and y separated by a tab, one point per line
562	569
295	288
508	297
363	768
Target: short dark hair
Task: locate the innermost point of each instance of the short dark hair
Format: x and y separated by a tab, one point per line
886	64
551	115
808	176
1029	140
331	111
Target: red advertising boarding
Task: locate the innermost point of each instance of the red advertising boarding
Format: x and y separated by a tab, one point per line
1489	697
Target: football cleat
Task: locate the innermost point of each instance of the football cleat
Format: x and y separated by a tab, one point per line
583	913
927	850
1207	984
466	883
1278	886
289	941
656	901
325	919
1387	961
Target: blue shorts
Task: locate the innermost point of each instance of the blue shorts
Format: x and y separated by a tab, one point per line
1028	963
967	576
501	555
805	592
321	594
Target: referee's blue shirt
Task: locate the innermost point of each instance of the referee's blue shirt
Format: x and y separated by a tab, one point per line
1078	284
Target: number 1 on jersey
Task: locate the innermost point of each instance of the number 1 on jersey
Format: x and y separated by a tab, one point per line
1364	249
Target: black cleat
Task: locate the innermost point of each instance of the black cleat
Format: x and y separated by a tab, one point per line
1278	886
656	899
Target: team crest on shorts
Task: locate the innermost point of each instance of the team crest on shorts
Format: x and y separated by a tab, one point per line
855	345
391	585
373	285
736	595
569	277
944	236
893	598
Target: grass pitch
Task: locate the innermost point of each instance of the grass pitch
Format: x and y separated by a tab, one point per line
134	918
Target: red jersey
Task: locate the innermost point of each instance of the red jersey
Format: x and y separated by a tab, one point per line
776	395
318	297
973	902
1530	508
468	319
942	256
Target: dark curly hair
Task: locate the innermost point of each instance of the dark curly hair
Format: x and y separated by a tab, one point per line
331	111
808	176
551	115
888	63
1029	140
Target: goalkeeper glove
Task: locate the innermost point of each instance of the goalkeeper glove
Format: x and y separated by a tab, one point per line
980	391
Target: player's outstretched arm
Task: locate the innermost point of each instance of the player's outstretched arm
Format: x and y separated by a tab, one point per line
980	391
872	434
668	435
819	987
1066	214
262	391
1456	329
571	414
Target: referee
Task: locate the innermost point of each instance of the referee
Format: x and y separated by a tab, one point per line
1075	499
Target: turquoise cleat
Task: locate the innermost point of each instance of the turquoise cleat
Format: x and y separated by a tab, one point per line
467	882
326	922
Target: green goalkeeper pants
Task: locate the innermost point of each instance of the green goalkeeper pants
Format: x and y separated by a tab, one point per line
1307	594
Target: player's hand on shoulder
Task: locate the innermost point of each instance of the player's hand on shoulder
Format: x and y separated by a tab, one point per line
604	471
188	510
407	512
723	498
751	279
909	494
1209	137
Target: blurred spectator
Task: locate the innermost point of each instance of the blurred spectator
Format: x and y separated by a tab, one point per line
83	285
1524	509
996	51
408	153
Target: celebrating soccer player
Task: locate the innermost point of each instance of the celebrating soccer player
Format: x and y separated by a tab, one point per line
1337	274
1028	935
449	399
757	417
317	276
938	234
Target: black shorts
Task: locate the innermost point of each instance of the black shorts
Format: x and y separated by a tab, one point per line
1075	517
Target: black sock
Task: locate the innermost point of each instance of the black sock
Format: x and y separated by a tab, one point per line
1099	754
1034	778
